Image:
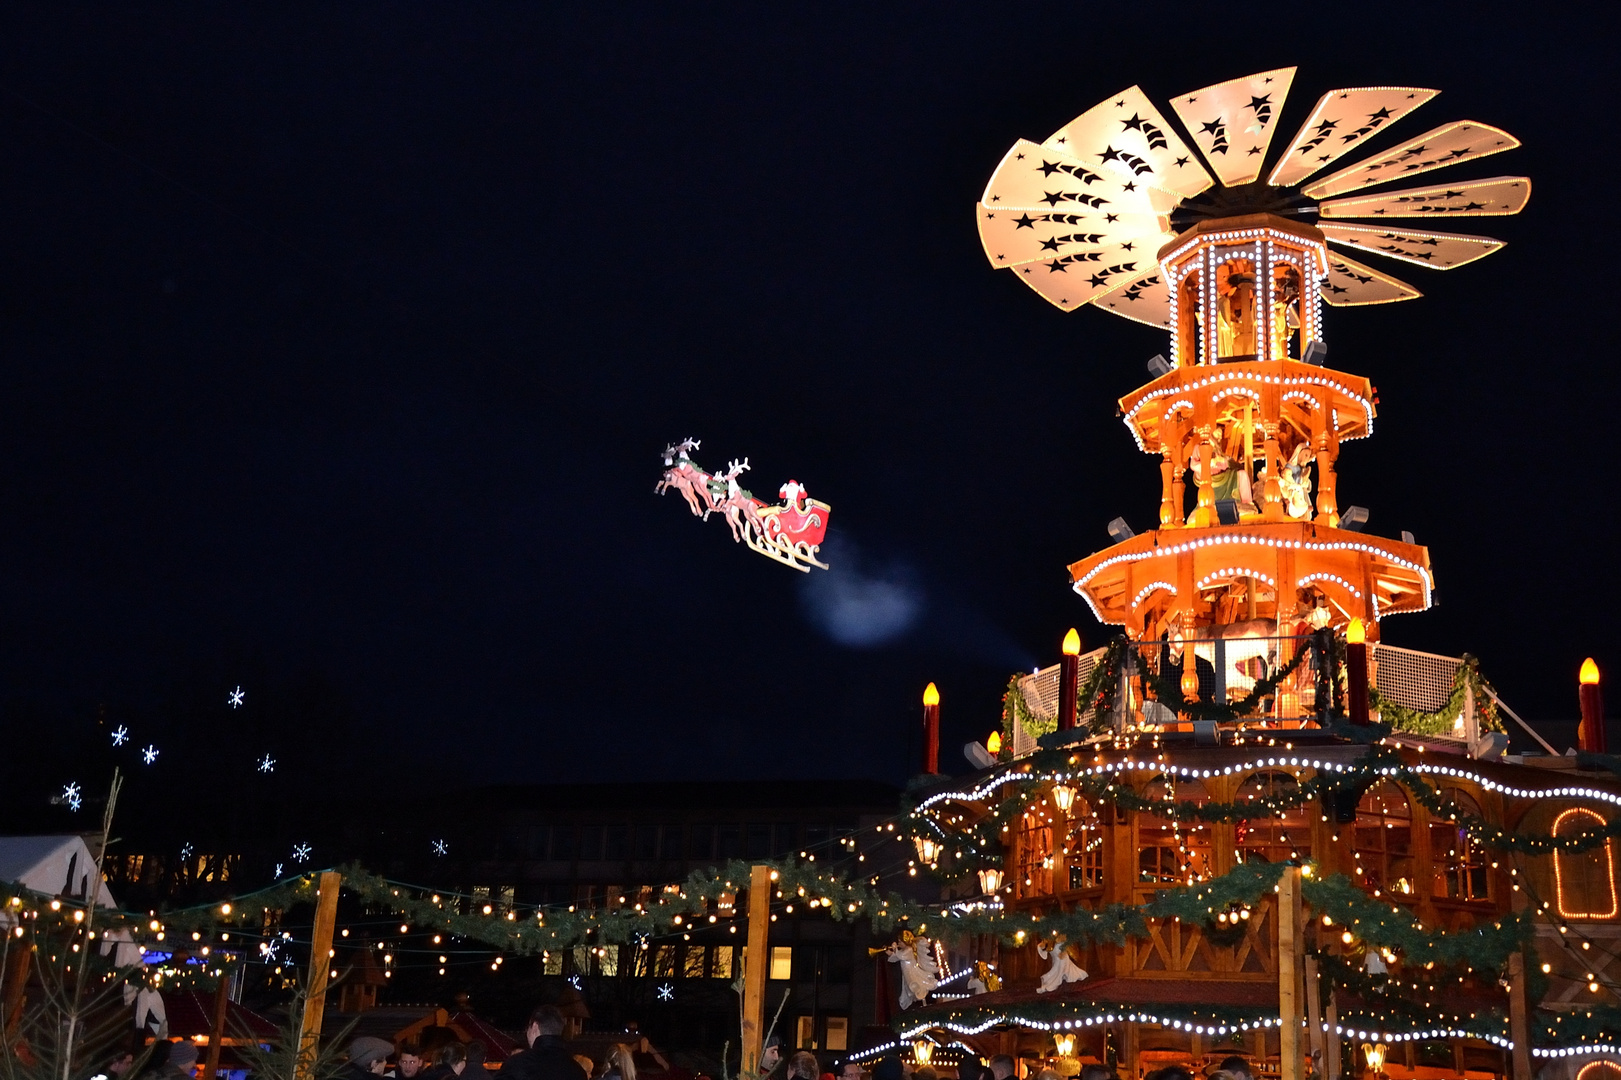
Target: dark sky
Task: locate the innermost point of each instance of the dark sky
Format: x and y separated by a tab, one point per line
338	343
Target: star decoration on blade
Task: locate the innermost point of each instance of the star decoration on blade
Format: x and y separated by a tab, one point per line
120	735
666	992
267	764
441	848
236	697
1144	187
70	795
301	852
150	754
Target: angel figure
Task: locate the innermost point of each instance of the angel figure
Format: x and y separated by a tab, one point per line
1294	483
919	972
1064	970
983	980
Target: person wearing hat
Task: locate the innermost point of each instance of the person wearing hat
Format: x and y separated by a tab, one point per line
368	1057
182	1060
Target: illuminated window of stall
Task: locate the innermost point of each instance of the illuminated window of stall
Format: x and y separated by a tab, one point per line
1383	844
1284	835
1034	865
1584	881
1169	851
1461	868
1083	849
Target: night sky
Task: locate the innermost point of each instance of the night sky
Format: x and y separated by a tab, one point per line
338	345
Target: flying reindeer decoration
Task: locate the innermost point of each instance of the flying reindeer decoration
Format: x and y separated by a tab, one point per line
791	533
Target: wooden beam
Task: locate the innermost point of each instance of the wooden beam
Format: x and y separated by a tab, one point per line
1518	1016
756	968
216	1033
1314	1015
1331	1040
1289	956
326	916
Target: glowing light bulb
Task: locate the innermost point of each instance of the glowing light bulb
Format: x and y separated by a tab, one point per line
1589	673
1356	633
931	695
1072	643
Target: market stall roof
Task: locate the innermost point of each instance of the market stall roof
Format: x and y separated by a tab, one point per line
54	865
191	1013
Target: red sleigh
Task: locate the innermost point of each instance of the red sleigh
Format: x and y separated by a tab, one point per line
790	533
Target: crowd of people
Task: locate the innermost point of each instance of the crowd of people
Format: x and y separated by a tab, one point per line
548	1057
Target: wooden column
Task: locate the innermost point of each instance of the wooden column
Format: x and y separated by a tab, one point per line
326	916
216	1033
1289	957
1314	1014
1519	1009
756	968
1331	1040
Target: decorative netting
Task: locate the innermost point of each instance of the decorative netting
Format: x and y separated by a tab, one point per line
1413	679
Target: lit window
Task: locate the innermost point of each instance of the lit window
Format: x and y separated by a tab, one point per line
664	961
1584	881
553	964
1084	847
608	960
1273	839
1034	864
782	962
723	962
1173	852
838	1033
693	966
1383	845
1461	868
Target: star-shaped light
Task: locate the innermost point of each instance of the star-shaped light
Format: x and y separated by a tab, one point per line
574	981
440	847
120	735
70	795
235	697
267	949
150	754
185	850
301	852
267	764
666	992
277	873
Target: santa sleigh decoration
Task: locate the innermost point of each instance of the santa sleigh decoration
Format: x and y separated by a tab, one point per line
790	533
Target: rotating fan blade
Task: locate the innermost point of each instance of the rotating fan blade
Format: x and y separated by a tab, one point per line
1124	133
1038	178
1340	122
1143	299
1069	284
1449	144
1014	237
1232	122
1496	197
1439	251
1350	284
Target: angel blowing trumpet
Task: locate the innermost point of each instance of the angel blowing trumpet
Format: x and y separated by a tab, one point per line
791	533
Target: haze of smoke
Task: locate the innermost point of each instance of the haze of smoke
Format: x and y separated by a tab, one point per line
860	603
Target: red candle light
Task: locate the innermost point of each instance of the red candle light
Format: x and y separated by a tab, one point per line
1069	679
1356	672
931	729
1590	734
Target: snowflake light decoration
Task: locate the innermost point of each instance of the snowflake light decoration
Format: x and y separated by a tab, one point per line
666	992
236	697
277	873
150	754
574	981
70	795
301	852
441	848
185	850
267	949
120	735
267	764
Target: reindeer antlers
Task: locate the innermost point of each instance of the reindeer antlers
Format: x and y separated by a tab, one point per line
735	469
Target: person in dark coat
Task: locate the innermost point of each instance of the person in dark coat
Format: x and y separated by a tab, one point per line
368	1057
449	1063
547	1058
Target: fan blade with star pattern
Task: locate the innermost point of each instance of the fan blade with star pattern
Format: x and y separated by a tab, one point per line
1067	284
1498	196
1449	144
1350	284
1341	122
1038	178
1232	122
1014	237
1143	299
1439	251
1124	133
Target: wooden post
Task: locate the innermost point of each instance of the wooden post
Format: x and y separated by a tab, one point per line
1314	1014
755	968
326	915
1331	1040
216	1033
1289	1058
1519	1026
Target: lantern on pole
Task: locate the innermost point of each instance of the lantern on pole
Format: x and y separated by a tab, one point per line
1590	734
1063	797
990	880
1069	680
931	729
